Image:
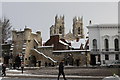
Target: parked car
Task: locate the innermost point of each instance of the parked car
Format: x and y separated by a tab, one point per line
114	64
114	77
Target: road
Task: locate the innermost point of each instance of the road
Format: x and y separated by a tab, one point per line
42	79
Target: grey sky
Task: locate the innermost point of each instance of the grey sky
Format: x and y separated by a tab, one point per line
40	15
0	9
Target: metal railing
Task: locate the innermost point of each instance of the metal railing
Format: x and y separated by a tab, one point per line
106	50
111	50
95	50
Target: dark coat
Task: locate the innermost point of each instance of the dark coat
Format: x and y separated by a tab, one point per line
61	67
3	68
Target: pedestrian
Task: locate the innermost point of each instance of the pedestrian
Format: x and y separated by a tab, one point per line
3	69
22	67
61	70
14	65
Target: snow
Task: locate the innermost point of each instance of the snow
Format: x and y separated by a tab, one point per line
45	55
45	46
0	78
75	44
11	48
14	71
1	64
71	51
63	43
36	41
23	48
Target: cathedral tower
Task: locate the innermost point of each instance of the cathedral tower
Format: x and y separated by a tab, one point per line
78	27
58	28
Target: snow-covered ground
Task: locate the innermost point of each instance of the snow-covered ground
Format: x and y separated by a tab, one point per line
14	70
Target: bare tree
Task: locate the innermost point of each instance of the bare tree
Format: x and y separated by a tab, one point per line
6	29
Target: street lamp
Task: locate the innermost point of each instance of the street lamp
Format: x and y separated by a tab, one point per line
86	53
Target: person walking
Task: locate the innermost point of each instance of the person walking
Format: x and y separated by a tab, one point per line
61	70
3	69
22	67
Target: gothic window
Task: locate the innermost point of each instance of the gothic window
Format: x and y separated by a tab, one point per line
54	31
106	45
94	44
60	30
106	57
116	56
116	44
78	30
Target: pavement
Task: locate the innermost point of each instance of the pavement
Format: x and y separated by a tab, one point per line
52	72
53	76
28	73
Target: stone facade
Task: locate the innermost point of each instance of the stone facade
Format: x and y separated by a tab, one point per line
0	43
24	41
59	44
104	43
46	55
58	28
73	57
78	27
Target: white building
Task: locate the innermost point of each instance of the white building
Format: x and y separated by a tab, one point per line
104	43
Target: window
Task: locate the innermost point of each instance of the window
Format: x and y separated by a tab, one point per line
116	56
78	30
94	44
60	30
106	45
106	57
116	44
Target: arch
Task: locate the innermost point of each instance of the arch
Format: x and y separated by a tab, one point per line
116	44
33	60
106	44
94	44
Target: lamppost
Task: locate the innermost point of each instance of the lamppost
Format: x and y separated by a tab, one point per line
86	53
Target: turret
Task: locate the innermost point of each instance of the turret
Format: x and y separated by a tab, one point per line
78	27
38	33
14	36
27	33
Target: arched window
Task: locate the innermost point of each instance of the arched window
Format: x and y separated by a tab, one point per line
94	44
116	44
106	45
78	30
60	30
54	31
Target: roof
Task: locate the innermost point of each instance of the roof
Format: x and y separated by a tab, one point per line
45	46
71	50
75	44
36	41
103	25
45	56
63	43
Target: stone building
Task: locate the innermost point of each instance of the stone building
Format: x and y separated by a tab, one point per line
78	27
6	53
74	53
24	41
59	44
59	29
104	43
0	43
